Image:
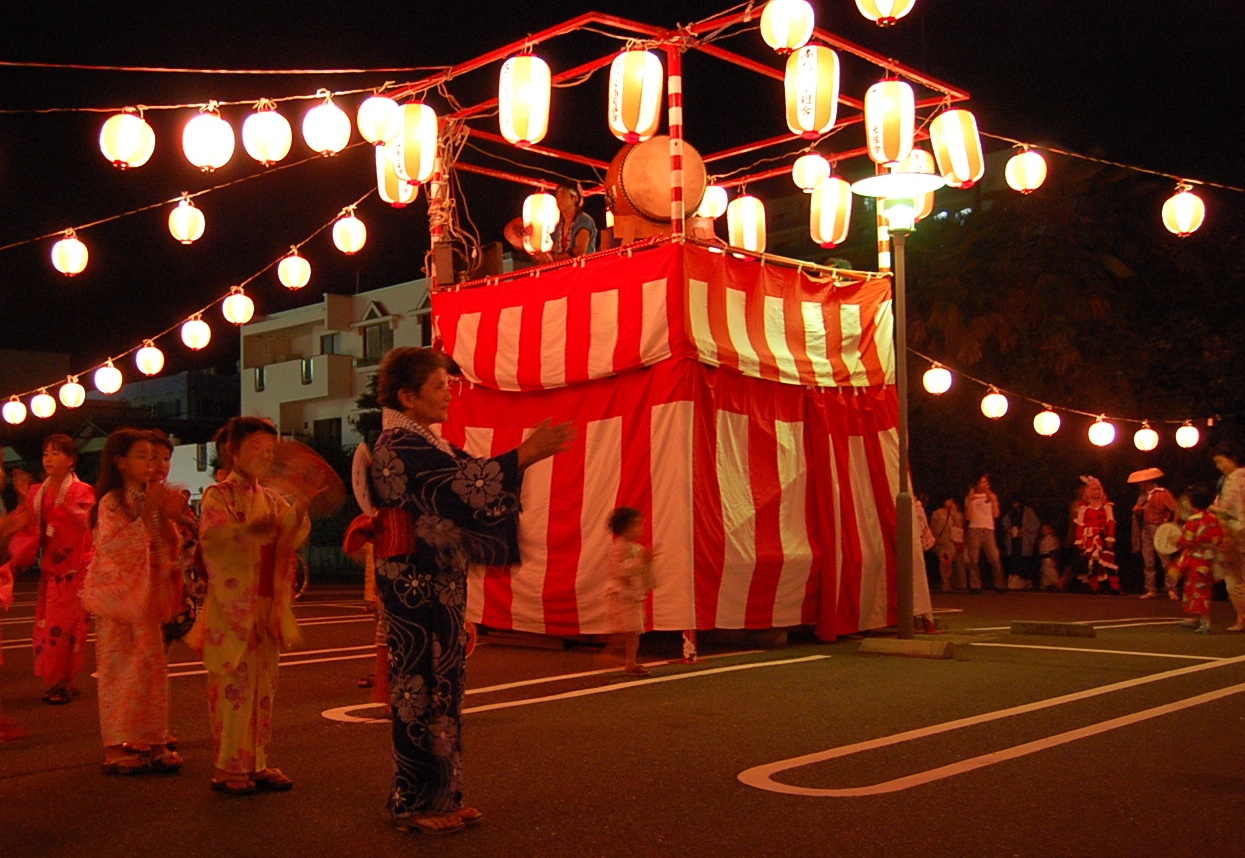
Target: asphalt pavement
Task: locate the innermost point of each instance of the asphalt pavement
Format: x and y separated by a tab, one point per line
1127	743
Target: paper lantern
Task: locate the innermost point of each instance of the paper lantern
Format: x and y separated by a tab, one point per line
196	333
890	120
207	140
349	233
72	394
1187	435
415	148
787	25
884	12
957	147
1145	439
391	187
238	308
811	87
42	405
523	100
1025	171
1101	433
186	221
326	127
266	134
14	411
713	202
293	271
108	378
69	255
1046	423
809	171
635	88
540	216
379	119
830	212
149	359
745	223
1183	213
994	404
127	140
920	161
937	379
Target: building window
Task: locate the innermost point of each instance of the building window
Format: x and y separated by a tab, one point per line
377	339
201	459
328	434
307	371
331	344
259	379
425	329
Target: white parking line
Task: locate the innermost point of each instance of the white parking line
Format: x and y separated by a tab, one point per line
1108	651
762	777
1122	623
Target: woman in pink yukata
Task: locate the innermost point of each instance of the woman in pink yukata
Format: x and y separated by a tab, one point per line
132	589
57	533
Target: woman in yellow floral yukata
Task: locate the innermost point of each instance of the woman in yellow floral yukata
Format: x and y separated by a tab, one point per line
248	535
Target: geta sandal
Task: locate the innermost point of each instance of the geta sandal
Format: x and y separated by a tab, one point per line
436	823
240	785
127	766
56	696
272	780
167	763
469	815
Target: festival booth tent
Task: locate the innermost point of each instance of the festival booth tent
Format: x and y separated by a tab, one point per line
747	408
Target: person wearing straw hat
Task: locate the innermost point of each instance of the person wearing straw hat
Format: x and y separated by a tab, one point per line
1155	505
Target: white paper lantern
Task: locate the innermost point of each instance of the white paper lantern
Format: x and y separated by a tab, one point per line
14	411
72	394
1184	213
149	359
957	147
937	379
811	90
1046	423
745	223
293	271
809	171
207	140
379	119
994	404
326	127
196	333
830	212
1025	171
69	255
540	216
635	87
391	187
42	405
1187	435
713	202
186	221
127	140
523	91
884	12
108	378
415	147
890	120
349	233
238	308
787	25
1145	439
1101	433
266	134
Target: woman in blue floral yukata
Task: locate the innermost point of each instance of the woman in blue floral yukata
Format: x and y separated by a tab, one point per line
438	510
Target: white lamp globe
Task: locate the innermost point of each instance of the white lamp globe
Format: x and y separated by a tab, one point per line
266	134
196	333
349	233
71	393
208	141
42	405
1187	435
293	271
937	379
127	140
108	378
1046	423
1101	433
326	127
379	119
149	359
1145	439
14	411
994	404
713	202
238	308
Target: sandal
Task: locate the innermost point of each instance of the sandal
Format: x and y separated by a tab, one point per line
433	823
235	785
636	670
367	681
167	763
56	695
127	766
469	815
271	780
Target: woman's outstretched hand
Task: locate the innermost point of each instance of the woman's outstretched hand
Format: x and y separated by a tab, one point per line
546	440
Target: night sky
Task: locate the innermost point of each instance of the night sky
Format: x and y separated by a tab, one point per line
1152	84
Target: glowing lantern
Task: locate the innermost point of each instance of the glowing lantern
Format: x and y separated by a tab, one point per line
1026	171
196	333
1046	423
811	84
237	307
71	393
186	221
994	404
919	161
884	12
326	127
957	146
1145	439
266	134
349	233
787	25
207	140
293	271
392	188
635	95
809	171
1183	213
415	148
1187	435
523	100
540	216
69	255
1101	433
713	203
42	405
127	140
830	212
937	379
14	410
890	120
745	223
379	119
149	359
108	378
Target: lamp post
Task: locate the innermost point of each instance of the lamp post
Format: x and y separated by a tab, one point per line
898	196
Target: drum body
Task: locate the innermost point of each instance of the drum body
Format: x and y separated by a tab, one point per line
637	186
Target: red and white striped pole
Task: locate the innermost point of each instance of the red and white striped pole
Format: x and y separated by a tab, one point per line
674	90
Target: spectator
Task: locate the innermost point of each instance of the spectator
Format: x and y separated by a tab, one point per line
1050	577
1020	536
1229	507
981	507
947	525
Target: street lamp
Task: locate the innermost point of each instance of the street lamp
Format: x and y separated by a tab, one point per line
899	200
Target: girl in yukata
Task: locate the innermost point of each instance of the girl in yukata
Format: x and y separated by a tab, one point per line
247	535
439	509
56	533
1200	540
1095	537
132	589
630	580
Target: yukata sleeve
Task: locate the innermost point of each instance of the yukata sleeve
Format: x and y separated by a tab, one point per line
118	580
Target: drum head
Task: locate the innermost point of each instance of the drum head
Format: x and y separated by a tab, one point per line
1167	538
642	183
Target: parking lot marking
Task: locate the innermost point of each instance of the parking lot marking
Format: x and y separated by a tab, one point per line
1118	623
762	777
1108	651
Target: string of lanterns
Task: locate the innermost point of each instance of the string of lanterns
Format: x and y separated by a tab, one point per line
938	379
